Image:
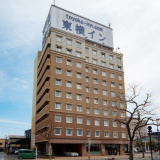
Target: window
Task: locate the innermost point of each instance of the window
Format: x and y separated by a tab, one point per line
59	39
69	84
123	135
95	81
103	73
59	49
94	53
58	70
113	94
120	77
79	65
121	95
88	111
69	51
78	54
121	104
69	62
79	86
111	58
79	108
95	101
113	103
87	79
68	132
78	44
122	114
96	122
88	133
96	111
104	83
112	75
58	93
115	134
79	97
112	84
57	105
95	91
119	68
94	61
68	119
111	66
87	59
106	123
57	131
58	60
69	42
106	134
68	95
79	75
95	71
104	92
88	122
87	69
114	124
105	113
79	132
114	113
86	50
87	99
57	118
87	89
122	125
104	102
79	120
120	86
103	55
97	133
58	82
68	107
68	73
119	60
103	64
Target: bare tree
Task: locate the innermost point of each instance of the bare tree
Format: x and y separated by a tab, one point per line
137	110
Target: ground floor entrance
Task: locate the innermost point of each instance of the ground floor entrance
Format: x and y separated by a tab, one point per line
112	149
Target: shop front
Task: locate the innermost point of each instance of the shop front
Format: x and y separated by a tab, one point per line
112	149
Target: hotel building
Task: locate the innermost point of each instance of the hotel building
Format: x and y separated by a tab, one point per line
77	76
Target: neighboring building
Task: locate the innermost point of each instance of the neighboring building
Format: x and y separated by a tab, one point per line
77	76
28	133
2	145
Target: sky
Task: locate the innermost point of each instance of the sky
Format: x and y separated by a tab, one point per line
136	31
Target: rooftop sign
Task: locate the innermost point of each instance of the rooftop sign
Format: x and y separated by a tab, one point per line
72	23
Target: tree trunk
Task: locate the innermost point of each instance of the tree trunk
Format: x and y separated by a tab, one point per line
131	150
49	149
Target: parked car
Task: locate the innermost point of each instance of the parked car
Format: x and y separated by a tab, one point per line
135	150
71	153
26	153
16	151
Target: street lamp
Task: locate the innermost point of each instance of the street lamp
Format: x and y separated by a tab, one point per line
157	120
149	131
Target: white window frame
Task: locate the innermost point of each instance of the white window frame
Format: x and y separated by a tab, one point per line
81	132
56	133
79	75
123	135
105	114
70	73
112	75
69	42
68	134
88	122
79	108
115	136
58	69
69	62
79	86
79	97
69	119
96	134
115	124
79	120
57	105
97	122
69	84
96	111
106	123
59	94
59	39
105	135
57	119
67	107
78	64
57	82
69	95
104	93
58	58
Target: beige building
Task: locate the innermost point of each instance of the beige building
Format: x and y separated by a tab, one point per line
2	144
76	81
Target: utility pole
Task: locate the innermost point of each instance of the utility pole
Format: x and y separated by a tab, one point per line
89	143
158	134
149	131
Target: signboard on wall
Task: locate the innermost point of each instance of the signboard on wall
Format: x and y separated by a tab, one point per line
72	23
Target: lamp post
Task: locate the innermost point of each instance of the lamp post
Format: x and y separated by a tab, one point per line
89	143
158	134
149	131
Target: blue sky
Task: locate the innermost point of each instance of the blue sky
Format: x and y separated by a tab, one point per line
136	30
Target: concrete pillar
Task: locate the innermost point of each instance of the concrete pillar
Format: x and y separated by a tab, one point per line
84	150
102	150
121	150
47	148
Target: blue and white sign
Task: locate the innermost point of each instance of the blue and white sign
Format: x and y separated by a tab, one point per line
77	25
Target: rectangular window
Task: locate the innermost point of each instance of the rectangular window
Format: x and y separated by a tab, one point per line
104	83
112	75
69	42
95	91
96	111
103	64
97	133
79	65
94	61
59	39
79	120
95	81
113	103
105	113
111	58
68	119
114	113
106	123
69	51
68	95
123	135
87	50
104	102
87	89
57	105
58	82
87	69
122	114
69	62
69	84
58	60
68	132
121	95
68	107
87	59
79	132
79	108
95	101
103	55
79	97
96	122
87	99
120	77
120	86
113	94
122	125
104	92
95	71
88	133
119	60
57	131
88	122
58	93
79	75
58	70
59	49
111	66
119	68
78	54
115	134
114	124
79	86
106	134
94	53
87	79
78	44
68	73
88	111
103	73
112	84
57	118
121	104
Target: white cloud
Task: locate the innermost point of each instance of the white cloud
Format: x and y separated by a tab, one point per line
13	122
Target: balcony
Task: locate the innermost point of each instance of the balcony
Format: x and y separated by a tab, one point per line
41	125
43	112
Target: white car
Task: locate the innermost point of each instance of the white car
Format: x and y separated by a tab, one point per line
71	153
